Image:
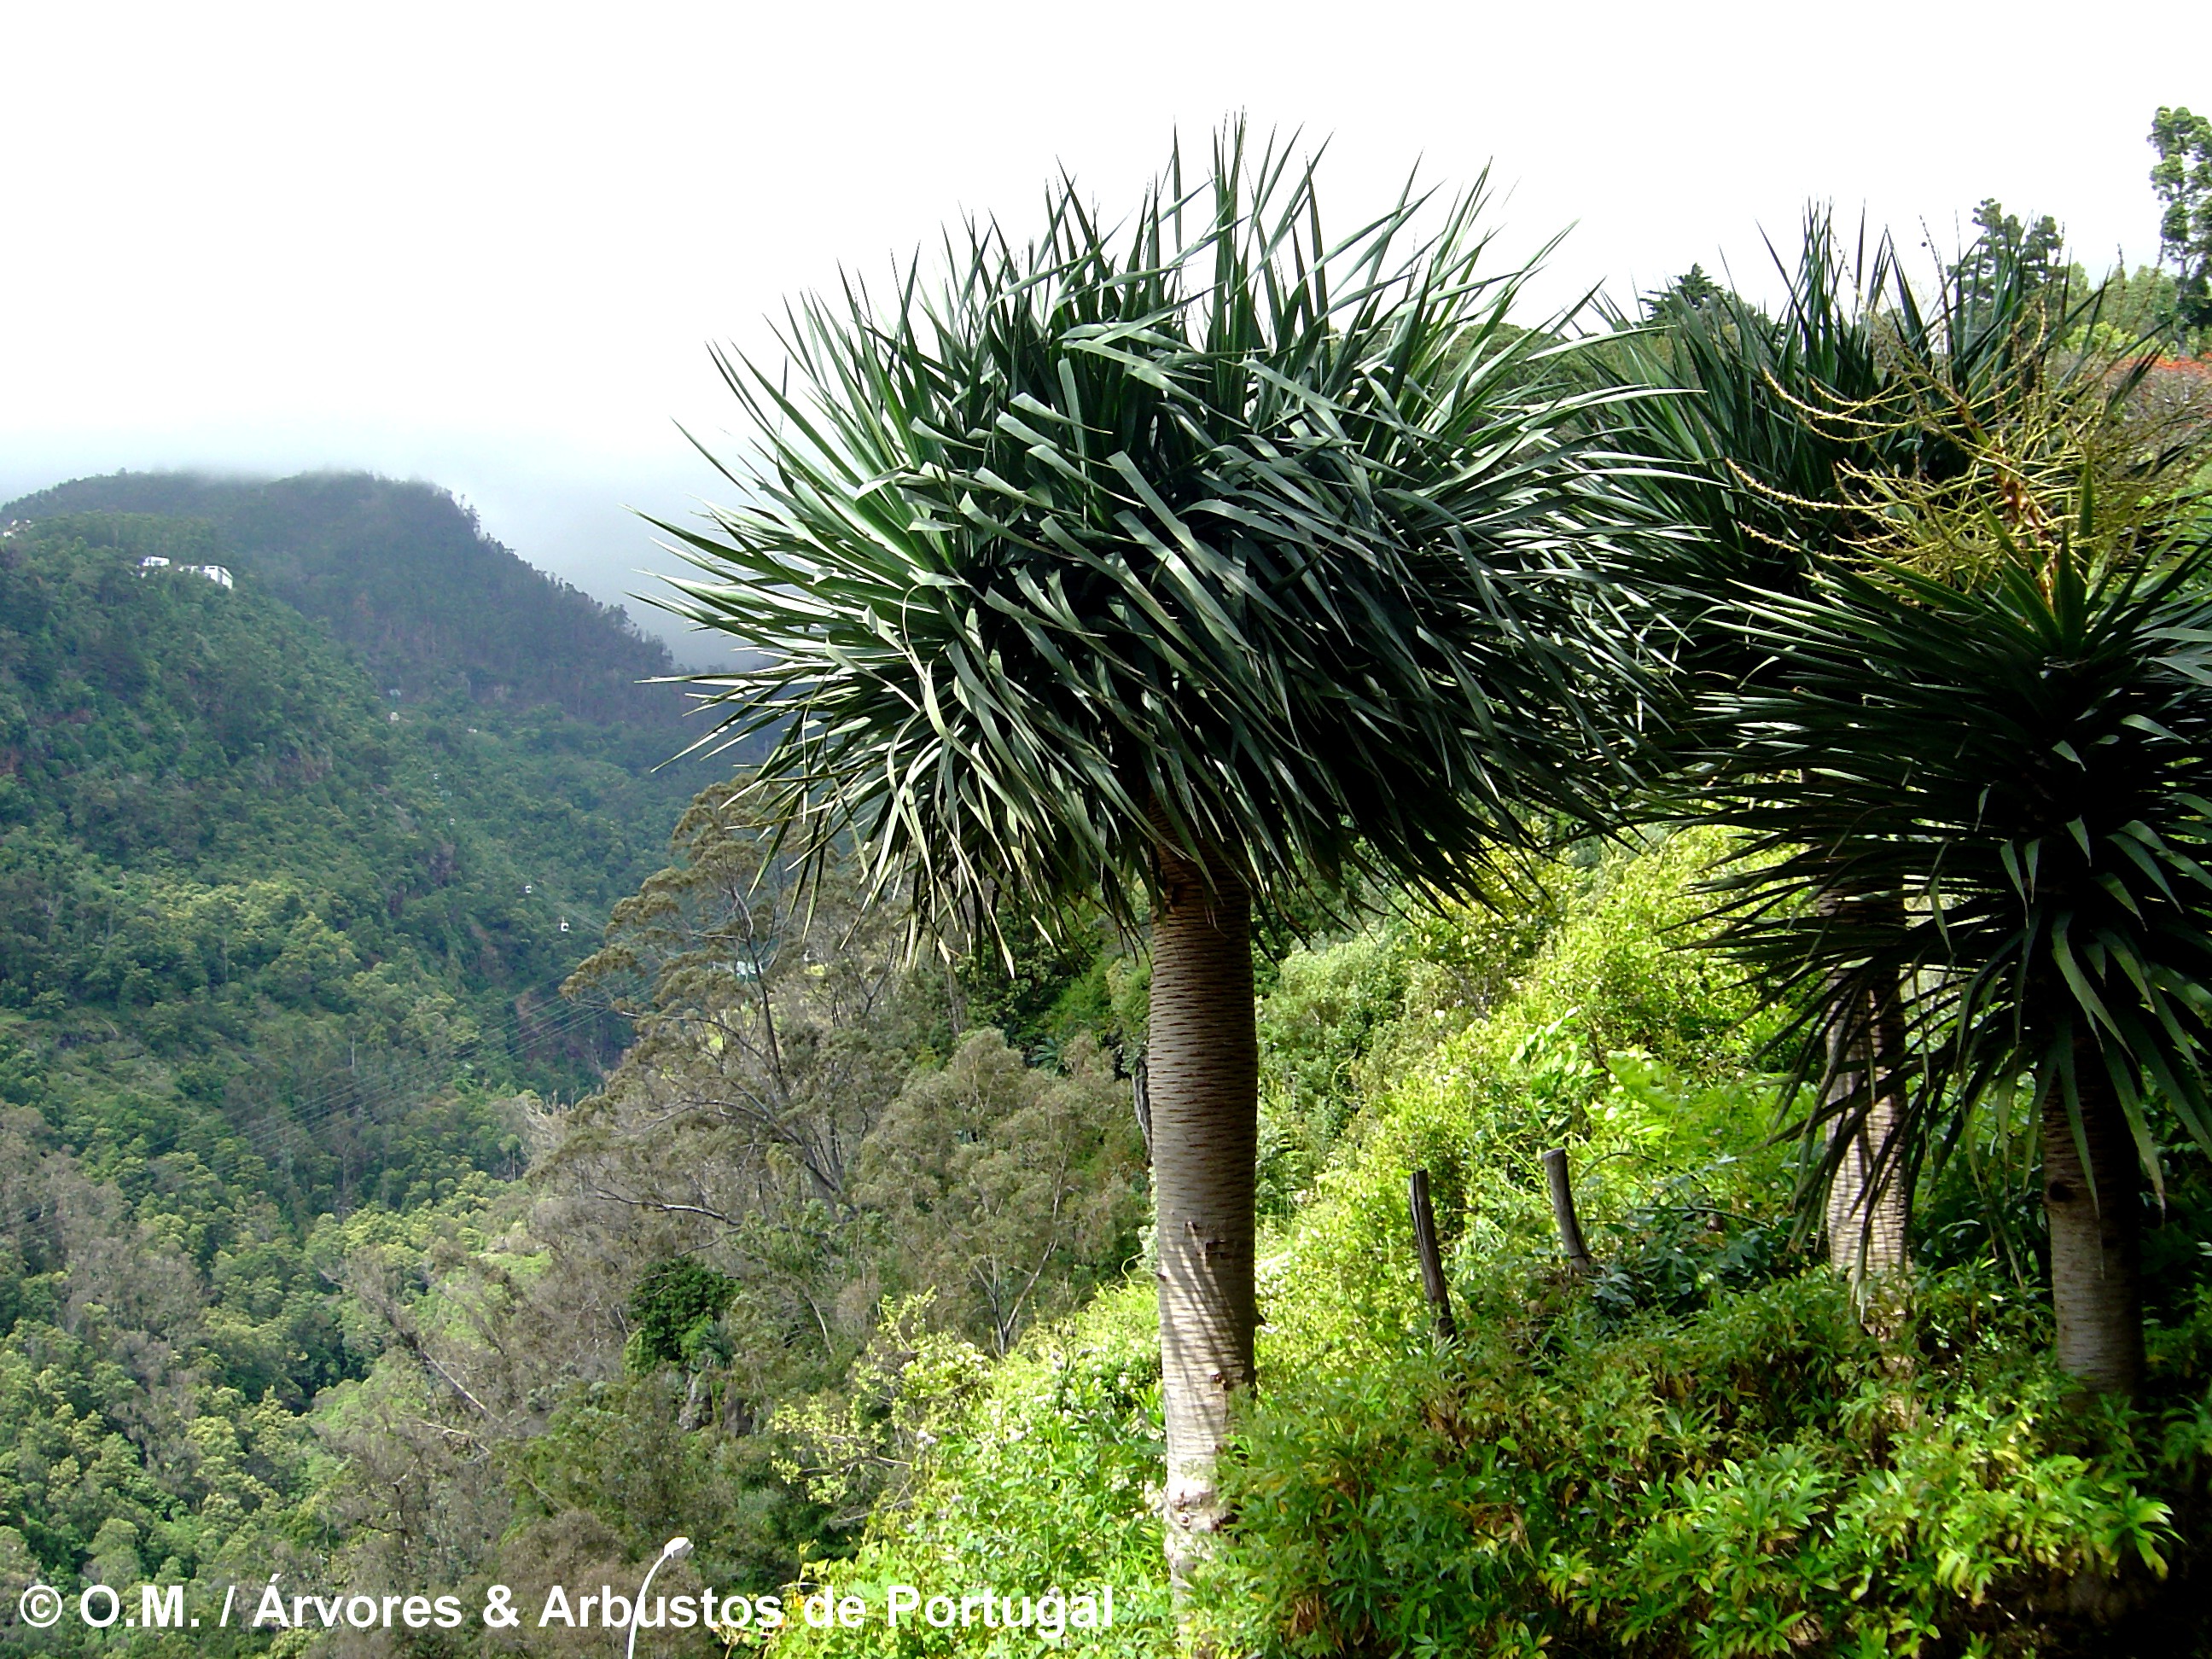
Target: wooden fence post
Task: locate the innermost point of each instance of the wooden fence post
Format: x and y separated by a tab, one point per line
1432	1261
1562	1211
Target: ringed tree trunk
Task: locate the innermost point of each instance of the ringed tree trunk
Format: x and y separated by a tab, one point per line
1203	1083
1868	1206
2095	1233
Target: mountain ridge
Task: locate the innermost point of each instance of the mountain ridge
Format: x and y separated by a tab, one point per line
405	577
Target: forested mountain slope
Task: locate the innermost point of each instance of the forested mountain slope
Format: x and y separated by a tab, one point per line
225	850
403	575
278	962
280	1024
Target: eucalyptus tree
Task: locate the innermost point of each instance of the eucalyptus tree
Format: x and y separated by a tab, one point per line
2182	181
1786	426
1176	567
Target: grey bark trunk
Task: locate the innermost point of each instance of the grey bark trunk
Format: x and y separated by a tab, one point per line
1203	1085
2095	1234
1869	1204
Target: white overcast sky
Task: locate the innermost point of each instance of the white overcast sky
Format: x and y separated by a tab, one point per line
486	244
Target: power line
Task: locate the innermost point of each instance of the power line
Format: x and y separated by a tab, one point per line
309	1111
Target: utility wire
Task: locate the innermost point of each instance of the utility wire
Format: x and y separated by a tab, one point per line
304	1113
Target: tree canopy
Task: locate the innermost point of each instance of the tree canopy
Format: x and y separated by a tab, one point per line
1202	525
2182	180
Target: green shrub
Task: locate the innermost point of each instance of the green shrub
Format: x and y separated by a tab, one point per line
1756	1477
1046	1475
674	1308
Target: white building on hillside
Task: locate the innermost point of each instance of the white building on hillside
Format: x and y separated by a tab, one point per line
218	573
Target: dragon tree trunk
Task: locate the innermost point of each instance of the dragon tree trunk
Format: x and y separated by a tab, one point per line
2095	1233
1869	1204
1203	1085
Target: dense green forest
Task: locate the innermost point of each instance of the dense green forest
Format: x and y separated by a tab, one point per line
277	948
405	577
282	955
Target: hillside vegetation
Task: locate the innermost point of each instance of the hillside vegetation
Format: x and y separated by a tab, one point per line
337	1243
279	954
757	1292
1745	777
404	575
1697	1449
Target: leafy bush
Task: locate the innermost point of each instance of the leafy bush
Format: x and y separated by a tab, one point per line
675	1306
1759	1476
1699	1449
1337	1020
1040	1473
1756	1477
